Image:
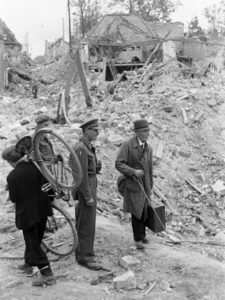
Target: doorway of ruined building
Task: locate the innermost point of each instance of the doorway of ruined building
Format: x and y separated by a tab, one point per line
119	70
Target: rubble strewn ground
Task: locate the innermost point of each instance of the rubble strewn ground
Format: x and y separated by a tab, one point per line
186	114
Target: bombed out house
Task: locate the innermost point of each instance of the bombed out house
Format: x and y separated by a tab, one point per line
11	45
125	41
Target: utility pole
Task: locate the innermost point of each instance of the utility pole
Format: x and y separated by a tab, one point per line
70	41
26	44
63	30
2	67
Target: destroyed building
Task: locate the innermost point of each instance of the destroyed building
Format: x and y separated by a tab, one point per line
126	40
56	50
10	42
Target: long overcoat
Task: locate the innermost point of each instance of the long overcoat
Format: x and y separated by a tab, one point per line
32	204
86	215
131	157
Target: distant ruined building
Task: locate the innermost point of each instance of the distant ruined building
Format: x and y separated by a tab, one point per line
10	42
56	50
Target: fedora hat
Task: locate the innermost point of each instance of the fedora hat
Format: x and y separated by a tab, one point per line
141	124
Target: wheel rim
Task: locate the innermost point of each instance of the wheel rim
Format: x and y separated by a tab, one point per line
57	159
60	236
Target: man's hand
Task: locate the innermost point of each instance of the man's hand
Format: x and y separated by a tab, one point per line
99	166
90	202
138	173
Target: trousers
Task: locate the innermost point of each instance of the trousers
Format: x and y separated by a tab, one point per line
34	254
138	226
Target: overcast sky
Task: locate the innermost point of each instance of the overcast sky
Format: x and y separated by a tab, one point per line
43	19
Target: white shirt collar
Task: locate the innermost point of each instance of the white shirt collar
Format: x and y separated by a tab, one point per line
140	142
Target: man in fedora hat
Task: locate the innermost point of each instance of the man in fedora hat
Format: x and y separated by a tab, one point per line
134	161
86	194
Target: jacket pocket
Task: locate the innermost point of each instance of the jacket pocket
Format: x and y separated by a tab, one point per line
132	185
121	184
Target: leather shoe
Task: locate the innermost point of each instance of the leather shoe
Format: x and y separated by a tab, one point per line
139	245
28	269
44	279
89	265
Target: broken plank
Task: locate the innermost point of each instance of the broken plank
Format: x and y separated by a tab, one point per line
150	289
193	185
212	243
164	199
199	115
154	145
159	152
184	116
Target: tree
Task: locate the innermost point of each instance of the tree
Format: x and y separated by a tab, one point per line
87	13
194	29
150	10
164	9
215	16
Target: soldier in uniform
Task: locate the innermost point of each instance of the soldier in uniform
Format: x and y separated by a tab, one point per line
86	195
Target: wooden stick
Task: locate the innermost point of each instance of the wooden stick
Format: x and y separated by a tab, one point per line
164	199
150	288
11	257
213	243
184	116
192	185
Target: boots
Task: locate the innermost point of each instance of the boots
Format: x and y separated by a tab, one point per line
26	268
46	276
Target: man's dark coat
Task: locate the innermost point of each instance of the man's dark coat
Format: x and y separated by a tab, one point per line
130	158
32	204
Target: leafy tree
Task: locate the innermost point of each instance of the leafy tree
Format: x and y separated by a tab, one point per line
150	10
86	13
215	16
164	9
194	29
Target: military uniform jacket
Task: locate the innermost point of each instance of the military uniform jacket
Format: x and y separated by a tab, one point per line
85	215
88	161
131	157
32	204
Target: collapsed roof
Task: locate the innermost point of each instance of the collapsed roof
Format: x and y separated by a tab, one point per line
130	29
9	37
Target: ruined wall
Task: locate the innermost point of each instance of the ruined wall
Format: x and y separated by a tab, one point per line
176	32
55	50
198	50
161	29
193	49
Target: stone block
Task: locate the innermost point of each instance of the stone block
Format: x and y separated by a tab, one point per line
126	281
129	261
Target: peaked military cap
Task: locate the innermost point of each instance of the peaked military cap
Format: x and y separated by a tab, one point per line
42	118
90	124
141	124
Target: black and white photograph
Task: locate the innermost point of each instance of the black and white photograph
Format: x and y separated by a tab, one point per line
112	149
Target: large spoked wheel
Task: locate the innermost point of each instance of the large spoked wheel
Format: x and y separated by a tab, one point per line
60	236
57	160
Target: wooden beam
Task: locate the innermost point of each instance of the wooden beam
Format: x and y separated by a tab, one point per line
159	152
2	68
184	116
83	78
